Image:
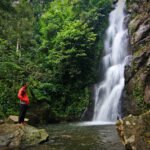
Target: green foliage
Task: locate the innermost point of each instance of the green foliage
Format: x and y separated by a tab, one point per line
53	21
70	46
2	115
12	76
14	23
138	94
54	46
73	52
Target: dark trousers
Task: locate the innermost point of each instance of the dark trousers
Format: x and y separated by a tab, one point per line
23	110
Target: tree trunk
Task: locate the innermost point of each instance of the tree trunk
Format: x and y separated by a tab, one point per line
18	52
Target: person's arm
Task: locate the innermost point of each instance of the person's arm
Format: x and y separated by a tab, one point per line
25	99
20	93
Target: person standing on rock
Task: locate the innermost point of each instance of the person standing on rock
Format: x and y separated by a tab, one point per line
24	102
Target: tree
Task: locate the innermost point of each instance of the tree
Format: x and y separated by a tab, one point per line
57	43
53	21
15	23
70	50
23	26
73	53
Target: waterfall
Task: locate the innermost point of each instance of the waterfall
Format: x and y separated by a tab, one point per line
108	92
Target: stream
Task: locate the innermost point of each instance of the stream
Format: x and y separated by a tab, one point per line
81	137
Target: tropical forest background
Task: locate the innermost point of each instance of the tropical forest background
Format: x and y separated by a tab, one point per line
54	46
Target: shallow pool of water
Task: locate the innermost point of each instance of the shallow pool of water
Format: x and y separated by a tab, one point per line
78	137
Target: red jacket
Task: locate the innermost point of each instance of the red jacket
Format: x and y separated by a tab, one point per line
22	95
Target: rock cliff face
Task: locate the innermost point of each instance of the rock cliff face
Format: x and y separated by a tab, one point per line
136	96
134	131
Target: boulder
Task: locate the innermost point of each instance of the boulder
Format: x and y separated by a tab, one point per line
134	131
1	121
14	119
39	113
17	135
33	136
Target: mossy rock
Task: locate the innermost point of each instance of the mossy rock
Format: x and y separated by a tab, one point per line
17	135
33	136
134	131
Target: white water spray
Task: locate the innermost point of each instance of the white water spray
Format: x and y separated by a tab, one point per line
108	92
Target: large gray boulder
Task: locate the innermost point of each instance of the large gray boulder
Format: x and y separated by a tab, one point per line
16	135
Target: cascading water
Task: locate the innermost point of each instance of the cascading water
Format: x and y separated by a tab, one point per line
108	92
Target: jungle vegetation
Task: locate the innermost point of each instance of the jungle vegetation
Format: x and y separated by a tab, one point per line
54	46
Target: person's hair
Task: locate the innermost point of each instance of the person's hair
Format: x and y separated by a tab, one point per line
24	83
